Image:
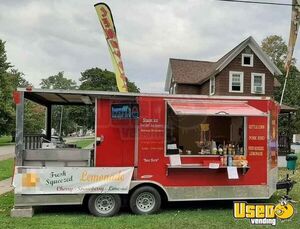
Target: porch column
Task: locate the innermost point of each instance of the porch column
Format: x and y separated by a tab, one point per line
48	123
19	149
289	132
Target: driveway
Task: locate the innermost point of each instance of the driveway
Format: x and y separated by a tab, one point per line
7	152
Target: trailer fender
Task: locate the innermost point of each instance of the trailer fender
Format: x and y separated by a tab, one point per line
139	183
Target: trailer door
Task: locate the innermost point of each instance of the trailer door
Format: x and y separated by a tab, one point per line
117	129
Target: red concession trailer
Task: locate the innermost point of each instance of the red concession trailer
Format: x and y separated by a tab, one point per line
149	148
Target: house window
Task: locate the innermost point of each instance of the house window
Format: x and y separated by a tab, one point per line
257	83
236	81
212	85
247	60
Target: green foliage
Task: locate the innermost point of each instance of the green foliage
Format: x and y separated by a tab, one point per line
75	117
9	81
276	48
97	79
83	116
5	110
61	114
102	80
34	118
58	81
4	65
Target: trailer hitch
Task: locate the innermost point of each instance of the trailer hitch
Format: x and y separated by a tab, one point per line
286	183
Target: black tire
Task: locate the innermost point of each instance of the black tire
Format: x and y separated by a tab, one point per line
145	200
104	205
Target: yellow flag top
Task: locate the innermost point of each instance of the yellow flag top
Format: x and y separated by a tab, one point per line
107	23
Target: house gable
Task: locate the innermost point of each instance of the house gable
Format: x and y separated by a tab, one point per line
250	42
222	78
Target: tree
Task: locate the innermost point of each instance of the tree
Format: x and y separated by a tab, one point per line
67	124
34	118
5	111
58	81
10	79
96	79
275	47
277	50
102	80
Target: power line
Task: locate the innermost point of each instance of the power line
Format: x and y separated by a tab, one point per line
259	2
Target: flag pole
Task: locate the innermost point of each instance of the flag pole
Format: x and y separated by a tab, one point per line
283	90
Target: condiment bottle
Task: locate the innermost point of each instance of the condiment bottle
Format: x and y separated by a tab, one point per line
229	160
237	150
222	160
220	150
225	150
229	149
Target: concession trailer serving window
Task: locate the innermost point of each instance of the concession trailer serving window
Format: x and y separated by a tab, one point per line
207	127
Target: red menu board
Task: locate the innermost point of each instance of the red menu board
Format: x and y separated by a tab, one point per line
257	145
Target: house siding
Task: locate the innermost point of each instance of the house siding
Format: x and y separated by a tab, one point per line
222	78
188	89
204	88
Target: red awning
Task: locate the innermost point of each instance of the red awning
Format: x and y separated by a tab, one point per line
214	108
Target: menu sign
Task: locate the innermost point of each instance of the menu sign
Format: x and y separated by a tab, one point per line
257	130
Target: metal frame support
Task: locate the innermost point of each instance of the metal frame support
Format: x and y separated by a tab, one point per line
19	149
289	131
48	122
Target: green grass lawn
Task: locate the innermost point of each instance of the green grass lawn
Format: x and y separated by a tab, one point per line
5	140
84	142
6	169
211	214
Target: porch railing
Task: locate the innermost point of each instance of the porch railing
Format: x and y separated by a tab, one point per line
33	141
283	145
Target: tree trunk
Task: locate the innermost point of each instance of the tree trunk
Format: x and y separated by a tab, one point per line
13	136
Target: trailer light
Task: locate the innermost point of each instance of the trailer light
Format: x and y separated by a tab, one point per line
17	97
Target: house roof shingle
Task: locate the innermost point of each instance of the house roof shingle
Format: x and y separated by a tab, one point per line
190	71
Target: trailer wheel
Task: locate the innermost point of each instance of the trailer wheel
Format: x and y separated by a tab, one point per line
145	200
104	205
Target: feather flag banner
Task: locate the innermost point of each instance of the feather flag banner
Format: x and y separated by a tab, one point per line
295	20
107	23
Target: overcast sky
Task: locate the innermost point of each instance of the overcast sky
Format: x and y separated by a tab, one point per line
45	37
